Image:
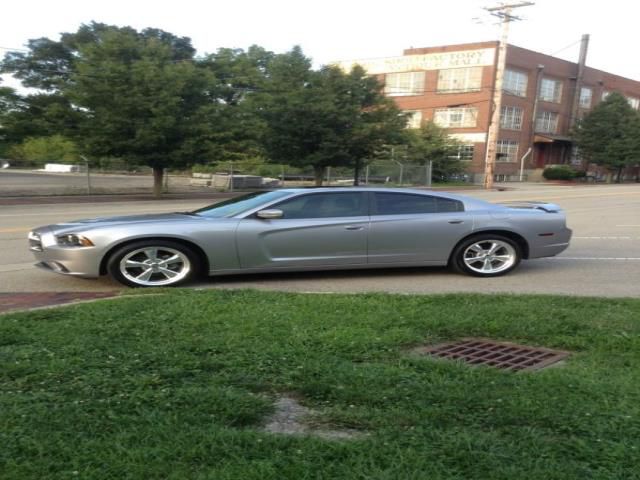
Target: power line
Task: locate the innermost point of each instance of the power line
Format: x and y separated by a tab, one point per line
565	48
10	49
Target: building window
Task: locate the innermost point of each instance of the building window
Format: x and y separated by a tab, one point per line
515	83
511	118
404	83
605	94
507	151
414	118
456	117
455	80
547	122
550	90
586	95
634	102
462	153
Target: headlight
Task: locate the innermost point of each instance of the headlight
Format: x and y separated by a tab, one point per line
73	240
35	242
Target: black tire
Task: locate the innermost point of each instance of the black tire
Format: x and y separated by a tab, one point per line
153	271
463	260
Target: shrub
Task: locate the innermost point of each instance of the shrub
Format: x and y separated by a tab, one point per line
561	172
41	150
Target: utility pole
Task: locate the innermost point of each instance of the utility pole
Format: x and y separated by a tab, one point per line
503	12
86	163
582	61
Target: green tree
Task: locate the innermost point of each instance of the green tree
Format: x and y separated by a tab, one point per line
49	65
142	94
9	101
41	115
432	143
139	93
228	128
609	135
326	117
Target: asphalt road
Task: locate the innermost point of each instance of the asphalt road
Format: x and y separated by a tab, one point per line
603	260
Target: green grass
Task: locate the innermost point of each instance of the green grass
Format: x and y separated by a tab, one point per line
177	385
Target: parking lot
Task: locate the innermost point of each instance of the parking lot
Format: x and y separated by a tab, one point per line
603	260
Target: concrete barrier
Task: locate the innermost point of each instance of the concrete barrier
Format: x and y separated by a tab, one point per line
60	168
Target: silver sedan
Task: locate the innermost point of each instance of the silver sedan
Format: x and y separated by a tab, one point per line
305	229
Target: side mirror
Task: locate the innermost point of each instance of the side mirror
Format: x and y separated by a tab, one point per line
270	214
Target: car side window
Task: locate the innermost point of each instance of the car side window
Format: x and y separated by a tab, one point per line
405	204
325	205
449	205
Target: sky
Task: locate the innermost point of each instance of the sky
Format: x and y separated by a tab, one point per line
333	30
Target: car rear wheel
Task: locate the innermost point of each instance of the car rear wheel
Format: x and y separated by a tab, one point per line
153	263
486	256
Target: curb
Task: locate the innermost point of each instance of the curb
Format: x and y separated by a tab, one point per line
20	302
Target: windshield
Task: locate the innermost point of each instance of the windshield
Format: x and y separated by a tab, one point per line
234	206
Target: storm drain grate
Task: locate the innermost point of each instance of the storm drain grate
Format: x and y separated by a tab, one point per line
505	355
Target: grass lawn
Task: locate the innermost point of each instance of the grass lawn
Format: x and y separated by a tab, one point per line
177	385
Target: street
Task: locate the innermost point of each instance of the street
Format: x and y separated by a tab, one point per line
603	260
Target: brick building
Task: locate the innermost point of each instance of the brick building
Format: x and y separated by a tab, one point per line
453	86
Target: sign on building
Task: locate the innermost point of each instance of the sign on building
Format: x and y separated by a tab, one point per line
427	61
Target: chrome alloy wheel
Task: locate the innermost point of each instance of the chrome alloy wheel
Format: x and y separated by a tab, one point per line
489	257
155	266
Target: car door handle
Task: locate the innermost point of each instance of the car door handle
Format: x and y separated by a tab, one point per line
455	222
354	227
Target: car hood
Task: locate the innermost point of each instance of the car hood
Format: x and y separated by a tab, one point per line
91	223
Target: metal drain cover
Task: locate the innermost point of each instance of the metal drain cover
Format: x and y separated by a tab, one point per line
505	355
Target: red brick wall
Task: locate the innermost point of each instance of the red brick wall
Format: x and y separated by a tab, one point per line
523	60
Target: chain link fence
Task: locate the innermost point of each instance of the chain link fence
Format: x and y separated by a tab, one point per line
24	178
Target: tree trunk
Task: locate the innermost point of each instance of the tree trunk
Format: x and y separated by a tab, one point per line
158	174
319	174
619	176
356	174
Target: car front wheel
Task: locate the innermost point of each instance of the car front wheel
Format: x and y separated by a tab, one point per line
157	263
486	256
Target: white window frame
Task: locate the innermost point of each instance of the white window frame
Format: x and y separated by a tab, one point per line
634	102
456	80
462	153
586	97
414	118
508	147
511	117
460	117
547	122
515	82
550	90
403	84
605	94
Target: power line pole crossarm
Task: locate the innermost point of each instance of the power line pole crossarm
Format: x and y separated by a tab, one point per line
503	12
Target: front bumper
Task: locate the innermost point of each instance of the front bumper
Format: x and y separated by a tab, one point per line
79	261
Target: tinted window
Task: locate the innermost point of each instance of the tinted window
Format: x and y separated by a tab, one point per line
325	205
236	205
403	204
449	205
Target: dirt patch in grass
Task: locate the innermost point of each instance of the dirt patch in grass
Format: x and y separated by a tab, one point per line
289	418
